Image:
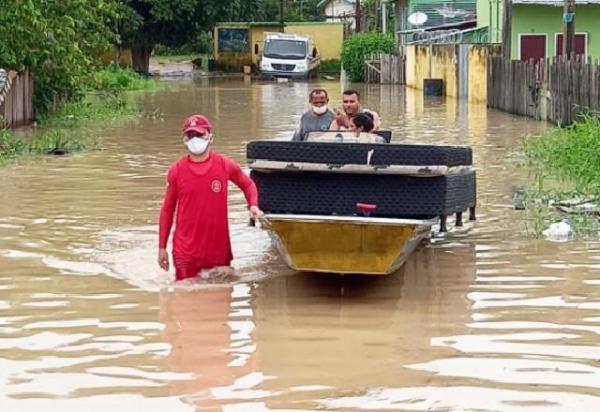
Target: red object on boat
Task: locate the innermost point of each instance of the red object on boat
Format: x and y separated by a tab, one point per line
366	208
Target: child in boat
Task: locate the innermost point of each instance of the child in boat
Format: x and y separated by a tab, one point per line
362	125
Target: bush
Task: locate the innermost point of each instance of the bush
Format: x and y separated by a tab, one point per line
357	46
571	153
201	44
115	79
331	66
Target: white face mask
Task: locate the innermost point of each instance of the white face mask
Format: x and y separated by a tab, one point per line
197	145
319	109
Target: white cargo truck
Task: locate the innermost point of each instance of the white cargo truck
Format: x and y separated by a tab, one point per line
287	55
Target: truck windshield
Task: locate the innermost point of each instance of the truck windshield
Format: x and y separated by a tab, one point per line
285	49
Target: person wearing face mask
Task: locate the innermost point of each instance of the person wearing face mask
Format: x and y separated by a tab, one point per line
196	197
317	118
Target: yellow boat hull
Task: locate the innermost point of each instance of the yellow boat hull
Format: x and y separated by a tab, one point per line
339	244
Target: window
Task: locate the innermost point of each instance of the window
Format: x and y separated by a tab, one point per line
233	40
285	49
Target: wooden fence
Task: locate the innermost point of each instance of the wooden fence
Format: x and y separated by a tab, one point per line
16	99
385	68
555	89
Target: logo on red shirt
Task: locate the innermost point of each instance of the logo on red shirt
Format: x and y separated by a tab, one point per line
216	186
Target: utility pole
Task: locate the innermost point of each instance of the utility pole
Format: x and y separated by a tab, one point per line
568	46
358	16
506	28
384	16
281	11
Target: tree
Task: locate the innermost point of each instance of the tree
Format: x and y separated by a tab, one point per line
59	41
294	10
144	23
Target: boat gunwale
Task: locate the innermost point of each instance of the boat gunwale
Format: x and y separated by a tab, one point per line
350	219
404	170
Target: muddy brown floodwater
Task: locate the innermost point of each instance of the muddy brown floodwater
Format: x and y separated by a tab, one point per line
482	319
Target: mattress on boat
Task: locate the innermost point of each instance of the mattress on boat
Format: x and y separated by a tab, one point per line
403	181
375	154
338	193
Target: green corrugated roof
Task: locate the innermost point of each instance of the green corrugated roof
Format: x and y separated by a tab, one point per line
249	23
271	23
311	23
444	12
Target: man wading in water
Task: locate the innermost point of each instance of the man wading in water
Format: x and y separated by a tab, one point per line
197	189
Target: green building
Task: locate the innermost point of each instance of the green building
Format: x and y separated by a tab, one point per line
537	26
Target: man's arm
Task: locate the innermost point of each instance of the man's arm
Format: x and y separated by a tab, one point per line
376	120
165	221
239	178
299	133
247	185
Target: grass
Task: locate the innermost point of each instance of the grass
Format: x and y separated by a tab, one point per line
571	153
112	79
565	163
64	130
330	66
50	142
92	108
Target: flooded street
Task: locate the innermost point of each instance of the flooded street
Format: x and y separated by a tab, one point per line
483	319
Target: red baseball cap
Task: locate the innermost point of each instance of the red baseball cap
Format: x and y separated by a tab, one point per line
197	123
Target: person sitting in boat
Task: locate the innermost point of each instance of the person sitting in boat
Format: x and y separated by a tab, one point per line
318	118
362	125
351	105
359	131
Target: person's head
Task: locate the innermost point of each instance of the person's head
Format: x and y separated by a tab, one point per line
361	122
197	134
318	101
351	102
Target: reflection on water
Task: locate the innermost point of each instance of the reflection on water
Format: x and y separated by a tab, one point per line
484	319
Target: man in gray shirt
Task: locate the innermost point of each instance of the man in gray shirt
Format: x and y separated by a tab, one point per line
318	118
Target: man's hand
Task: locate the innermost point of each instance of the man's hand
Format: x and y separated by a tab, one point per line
342	119
163	259
255	213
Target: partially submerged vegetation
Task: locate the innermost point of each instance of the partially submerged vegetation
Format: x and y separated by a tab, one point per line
112	79
566	164
63	131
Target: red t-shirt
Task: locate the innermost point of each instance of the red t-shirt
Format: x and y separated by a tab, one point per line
199	192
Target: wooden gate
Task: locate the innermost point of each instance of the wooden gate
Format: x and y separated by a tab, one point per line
385	68
16	98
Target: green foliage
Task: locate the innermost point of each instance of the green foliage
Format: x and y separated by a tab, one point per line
57	40
297	10
357	46
330	66
202	44
52	142
571	153
372	13
90	109
566	165
55	142
115	79
10	145
64	131
178	22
